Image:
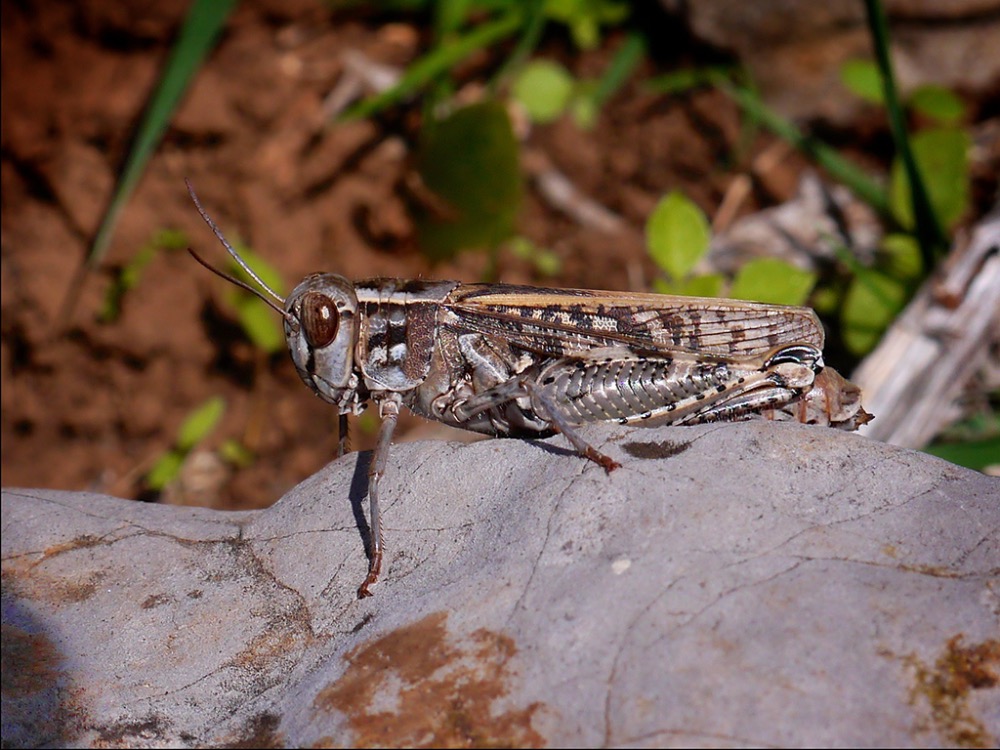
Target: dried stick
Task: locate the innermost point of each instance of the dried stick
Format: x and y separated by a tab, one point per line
912	380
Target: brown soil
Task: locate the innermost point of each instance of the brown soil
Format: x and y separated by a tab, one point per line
90	405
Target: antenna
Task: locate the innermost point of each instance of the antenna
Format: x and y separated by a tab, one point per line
229	248
289	318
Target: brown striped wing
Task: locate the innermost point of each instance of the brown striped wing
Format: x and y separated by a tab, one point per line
561	322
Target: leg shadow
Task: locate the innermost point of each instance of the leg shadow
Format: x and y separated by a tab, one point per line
357	495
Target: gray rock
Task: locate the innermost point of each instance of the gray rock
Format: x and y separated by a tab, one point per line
748	584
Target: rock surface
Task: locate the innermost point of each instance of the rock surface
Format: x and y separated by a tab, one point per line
748	584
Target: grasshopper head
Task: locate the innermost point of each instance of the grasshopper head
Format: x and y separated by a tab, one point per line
321	328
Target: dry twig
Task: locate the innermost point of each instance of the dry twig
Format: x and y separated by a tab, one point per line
914	378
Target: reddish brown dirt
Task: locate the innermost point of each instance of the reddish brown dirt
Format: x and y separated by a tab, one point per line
90	406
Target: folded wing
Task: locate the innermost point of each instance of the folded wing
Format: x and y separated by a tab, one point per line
563	322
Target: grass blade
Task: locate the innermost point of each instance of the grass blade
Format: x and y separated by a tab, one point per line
628	57
929	233
205	19
431	65
827	157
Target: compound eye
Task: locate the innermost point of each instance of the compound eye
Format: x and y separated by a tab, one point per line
320	319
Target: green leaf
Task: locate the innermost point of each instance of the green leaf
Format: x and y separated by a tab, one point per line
124	280
166	239
825	300
546	262
258	321
942	159
170	239
585	18
706	285
200	423
862	78
974	455
773	281
900	257
939	103
677	235
584	109
129	276
368	422
470	162
235	453
544	89
165	470
586	33
267	272
977	426
872	302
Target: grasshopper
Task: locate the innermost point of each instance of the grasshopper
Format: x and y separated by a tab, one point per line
523	361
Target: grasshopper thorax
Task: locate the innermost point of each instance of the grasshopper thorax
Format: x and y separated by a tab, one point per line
321	328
